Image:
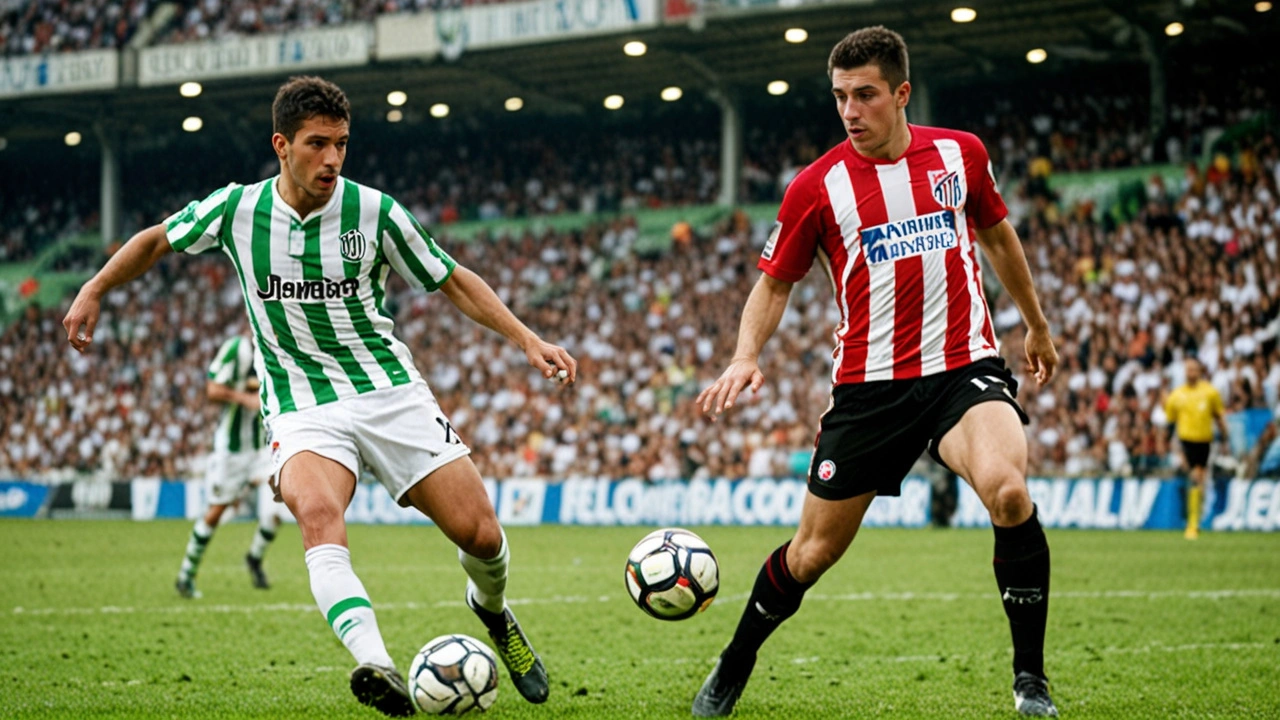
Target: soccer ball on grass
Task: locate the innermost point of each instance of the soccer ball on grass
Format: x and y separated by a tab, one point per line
672	574
452	675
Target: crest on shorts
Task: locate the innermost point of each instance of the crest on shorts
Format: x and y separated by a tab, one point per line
351	246
947	188
826	470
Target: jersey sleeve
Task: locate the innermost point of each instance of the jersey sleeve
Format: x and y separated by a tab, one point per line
789	252
1171	406
1216	407
984	205
197	227
411	250
223	368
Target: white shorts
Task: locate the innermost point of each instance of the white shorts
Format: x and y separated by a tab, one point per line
228	475
400	433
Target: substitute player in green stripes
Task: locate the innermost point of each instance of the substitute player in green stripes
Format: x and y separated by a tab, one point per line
238	461
313	251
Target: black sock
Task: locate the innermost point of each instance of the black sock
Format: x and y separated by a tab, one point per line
1022	571
775	597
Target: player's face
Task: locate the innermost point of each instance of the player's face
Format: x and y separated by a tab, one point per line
314	158
1193	372
871	112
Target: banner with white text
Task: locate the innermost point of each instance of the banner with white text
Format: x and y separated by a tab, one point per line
59	73
346	45
1102	504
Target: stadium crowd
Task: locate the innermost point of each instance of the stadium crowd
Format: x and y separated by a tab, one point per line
1194	274
29	27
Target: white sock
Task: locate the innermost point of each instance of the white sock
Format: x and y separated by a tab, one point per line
261	539
345	604
487	579
199	540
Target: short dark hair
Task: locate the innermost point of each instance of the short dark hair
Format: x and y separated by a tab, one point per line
877	45
304	97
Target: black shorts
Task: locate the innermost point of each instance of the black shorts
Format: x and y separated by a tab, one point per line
1196	453
875	431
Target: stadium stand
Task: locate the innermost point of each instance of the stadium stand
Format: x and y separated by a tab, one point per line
40	26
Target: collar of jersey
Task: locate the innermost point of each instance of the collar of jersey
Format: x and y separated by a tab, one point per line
318	212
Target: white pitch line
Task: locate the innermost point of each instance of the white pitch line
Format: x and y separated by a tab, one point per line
197	607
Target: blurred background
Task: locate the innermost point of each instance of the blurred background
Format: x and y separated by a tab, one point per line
612	168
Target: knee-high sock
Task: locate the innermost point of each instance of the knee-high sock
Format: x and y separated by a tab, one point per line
201	534
261	539
487	579
1021	563
775	597
345	604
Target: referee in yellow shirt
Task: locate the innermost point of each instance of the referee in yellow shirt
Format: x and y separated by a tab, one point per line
1194	407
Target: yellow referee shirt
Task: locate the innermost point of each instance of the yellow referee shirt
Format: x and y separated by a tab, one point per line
1193	408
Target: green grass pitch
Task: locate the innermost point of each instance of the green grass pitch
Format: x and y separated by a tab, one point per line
908	625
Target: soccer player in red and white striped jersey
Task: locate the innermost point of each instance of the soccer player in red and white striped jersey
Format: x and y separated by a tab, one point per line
893	216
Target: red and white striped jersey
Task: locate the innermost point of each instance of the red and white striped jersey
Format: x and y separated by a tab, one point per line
897	242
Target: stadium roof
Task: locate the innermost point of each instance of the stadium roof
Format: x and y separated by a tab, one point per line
739	46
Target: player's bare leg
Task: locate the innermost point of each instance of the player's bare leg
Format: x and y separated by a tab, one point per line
827	527
317	491
454	498
988	448
201	534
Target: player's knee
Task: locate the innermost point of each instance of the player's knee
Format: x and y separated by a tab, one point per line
1010	503
318	513
482	540
810	560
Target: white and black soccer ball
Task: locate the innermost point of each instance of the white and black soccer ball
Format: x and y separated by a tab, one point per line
453	675
672	574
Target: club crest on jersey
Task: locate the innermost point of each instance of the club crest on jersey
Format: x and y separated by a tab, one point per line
911	237
351	246
826	470
947	188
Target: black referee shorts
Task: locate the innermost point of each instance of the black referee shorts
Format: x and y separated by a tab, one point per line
1195	453
875	431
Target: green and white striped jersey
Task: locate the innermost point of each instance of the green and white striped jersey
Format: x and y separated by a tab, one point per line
239	428
314	287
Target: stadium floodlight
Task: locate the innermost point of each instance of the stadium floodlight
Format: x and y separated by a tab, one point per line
1262	6
796	35
1036	56
513	104
190	89
439	110
397	98
4	142
72	139
1173	29
963	15
672	94
394	116
192	124
778	87
635	48
613	102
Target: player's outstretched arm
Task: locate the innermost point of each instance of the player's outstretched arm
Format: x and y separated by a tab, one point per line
473	296
134	258
1004	250
760	316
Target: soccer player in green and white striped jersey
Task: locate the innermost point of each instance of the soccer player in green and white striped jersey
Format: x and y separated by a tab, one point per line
312	252
238	461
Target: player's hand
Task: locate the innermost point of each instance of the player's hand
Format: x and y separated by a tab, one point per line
1042	357
82	318
740	374
553	361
